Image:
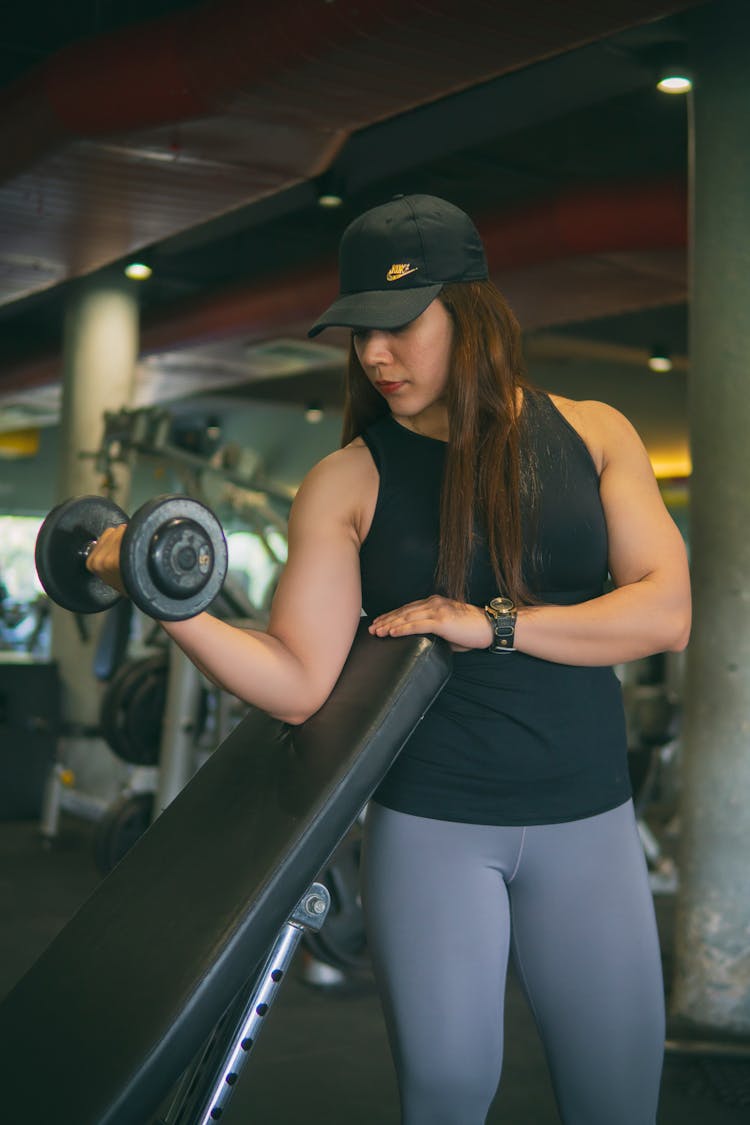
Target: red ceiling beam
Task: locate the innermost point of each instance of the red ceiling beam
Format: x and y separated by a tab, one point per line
595	219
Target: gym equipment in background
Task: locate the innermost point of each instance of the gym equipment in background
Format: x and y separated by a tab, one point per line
131	712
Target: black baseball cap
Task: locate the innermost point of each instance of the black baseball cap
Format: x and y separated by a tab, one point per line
394	260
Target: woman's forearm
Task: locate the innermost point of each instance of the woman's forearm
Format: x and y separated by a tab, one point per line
256	667
628	623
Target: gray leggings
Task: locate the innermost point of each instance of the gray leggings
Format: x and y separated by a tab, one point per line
445	903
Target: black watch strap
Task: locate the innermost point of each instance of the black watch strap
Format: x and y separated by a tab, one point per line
502	614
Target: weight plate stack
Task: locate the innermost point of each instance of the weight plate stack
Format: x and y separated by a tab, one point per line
132	710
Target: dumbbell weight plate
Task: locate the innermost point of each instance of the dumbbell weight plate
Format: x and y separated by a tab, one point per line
60	553
173	558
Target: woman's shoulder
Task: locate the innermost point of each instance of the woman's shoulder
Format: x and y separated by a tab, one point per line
344	484
341	467
597	423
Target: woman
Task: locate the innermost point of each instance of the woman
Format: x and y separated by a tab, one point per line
467	504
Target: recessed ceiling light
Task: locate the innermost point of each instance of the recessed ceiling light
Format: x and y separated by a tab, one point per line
659	360
675	84
138	271
328	199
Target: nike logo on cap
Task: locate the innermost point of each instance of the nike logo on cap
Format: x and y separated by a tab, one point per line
399	270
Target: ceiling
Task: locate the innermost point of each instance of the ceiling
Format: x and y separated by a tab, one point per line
200	136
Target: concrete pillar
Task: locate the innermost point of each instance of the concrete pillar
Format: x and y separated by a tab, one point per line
100	347
712	978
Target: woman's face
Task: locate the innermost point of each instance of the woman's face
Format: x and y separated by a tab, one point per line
409	366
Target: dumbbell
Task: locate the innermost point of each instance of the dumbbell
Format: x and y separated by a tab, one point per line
173	556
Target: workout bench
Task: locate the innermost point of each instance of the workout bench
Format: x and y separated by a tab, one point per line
185	941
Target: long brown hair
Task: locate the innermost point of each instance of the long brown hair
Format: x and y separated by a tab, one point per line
482	477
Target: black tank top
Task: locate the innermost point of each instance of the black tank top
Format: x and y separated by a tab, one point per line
511	739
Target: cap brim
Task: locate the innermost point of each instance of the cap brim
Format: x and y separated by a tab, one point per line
377	308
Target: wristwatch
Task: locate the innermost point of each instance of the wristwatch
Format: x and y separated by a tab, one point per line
501	614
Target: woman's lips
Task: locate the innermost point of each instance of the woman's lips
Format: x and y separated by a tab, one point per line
388	388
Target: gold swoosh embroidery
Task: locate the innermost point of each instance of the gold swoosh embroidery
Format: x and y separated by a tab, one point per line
399	270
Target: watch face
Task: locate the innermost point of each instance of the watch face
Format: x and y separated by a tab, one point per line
502	605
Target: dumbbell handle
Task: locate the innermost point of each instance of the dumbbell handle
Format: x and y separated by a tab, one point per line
87	548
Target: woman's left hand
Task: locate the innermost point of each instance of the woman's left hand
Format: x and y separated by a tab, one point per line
463	626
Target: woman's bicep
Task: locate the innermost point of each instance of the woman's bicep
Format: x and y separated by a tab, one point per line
317	604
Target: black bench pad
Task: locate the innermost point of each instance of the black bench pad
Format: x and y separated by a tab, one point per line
103	1024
